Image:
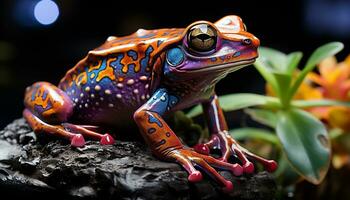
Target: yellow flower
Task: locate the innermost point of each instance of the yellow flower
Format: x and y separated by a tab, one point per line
333	78
332	82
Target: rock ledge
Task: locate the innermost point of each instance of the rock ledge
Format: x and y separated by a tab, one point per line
52	169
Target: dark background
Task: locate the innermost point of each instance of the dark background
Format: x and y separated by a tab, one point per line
32	52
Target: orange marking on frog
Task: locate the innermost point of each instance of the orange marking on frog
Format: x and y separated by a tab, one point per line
137	67
127	61
125	69
94	67
73	78
92	75
68	82
120	79
81	79
108	72
47	103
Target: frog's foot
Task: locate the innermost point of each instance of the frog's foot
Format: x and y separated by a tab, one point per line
105	139
191	160
74	133
39	126
230	147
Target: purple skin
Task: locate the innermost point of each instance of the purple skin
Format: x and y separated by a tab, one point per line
144	76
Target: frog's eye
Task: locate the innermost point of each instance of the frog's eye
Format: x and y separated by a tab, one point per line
202	38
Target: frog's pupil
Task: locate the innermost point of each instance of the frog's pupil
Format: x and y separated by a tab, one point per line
202	42
202	38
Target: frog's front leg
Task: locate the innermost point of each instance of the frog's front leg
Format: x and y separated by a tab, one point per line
222	140
166	145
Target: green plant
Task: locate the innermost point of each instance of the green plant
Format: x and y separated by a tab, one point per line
302	137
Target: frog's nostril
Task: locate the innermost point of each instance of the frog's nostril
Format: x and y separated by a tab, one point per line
247	41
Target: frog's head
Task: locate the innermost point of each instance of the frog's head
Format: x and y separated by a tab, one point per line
224	46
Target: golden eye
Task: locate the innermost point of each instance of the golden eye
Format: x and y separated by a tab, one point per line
202	38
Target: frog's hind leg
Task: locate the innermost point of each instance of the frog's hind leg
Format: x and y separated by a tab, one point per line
40	126
47	107
86	130
70	131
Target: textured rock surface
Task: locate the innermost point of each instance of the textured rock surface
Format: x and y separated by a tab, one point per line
126	170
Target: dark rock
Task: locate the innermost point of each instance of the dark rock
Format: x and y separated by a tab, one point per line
126	170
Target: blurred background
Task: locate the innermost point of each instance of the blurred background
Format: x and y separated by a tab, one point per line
41	39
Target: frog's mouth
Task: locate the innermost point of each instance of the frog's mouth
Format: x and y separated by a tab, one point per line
231	66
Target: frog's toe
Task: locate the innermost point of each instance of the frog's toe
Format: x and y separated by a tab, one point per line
229	147
202	149
88	131
207	163
195	176
107	139
248	168
228	187
77	140
236	169
189	158
243	154
271	165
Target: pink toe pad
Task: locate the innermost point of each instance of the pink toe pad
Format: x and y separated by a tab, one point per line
107	139
248	168
271	166
237	170
202	149
77	140
228	187
195	177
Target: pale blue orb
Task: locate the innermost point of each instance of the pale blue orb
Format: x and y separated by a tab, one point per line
46	12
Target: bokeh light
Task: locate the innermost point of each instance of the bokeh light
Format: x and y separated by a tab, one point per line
46	12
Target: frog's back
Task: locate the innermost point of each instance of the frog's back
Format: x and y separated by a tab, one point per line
116	78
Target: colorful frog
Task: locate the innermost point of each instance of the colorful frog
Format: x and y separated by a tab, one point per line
144	76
